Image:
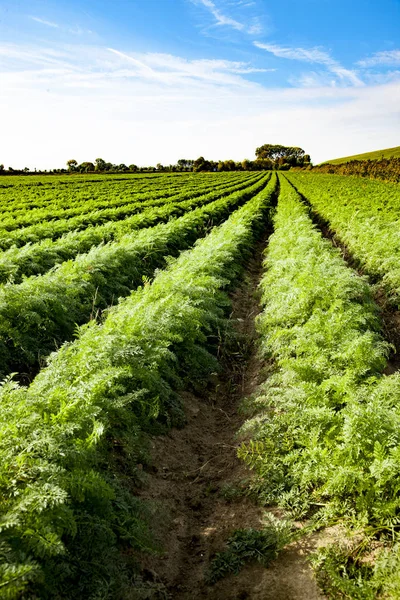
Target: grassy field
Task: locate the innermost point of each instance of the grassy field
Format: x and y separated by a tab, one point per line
376	155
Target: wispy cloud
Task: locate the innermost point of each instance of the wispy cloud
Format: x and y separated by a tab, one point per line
313	55
220	18
173	70
251	26
44	22
385	58
174	107
68	28
64	67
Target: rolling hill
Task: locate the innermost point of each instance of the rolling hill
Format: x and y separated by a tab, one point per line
376	155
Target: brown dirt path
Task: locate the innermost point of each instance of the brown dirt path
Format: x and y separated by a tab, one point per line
192	465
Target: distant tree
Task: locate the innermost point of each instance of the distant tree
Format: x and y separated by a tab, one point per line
249	165
281	155
133	168
185	164
1	168
275	151
201	164
86	167
264	164
100	164
198	164
122	168
159	167
26	170
72	164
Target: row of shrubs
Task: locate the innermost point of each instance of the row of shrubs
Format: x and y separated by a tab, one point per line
386	169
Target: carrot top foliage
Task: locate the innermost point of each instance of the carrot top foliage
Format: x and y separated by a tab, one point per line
70	442
325	430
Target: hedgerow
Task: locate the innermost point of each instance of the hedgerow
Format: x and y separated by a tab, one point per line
386	169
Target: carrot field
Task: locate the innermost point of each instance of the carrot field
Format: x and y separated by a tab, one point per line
199	380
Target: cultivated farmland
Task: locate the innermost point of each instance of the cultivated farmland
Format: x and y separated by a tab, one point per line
200	386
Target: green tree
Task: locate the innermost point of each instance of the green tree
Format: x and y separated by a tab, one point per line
201	164
281	155
100	164
72	164
185	164
86	167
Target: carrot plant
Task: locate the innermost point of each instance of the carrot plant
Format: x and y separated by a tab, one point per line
38	258
365	215
70	441
324	428
12	234
74	200
52	305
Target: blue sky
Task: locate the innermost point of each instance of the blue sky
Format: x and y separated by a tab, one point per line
149	81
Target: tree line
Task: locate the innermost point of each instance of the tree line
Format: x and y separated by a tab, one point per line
268	157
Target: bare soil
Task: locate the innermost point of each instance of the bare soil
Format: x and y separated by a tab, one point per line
195	464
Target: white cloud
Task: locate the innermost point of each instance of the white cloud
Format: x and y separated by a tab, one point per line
44	22
82	102
75	29
252	27
387	57
173	70
313	55
220	18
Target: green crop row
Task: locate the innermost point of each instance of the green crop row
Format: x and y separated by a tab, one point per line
39	314
74	197
107	206
109	198
61	191
365	215
324	428
55	229
38	258
70	442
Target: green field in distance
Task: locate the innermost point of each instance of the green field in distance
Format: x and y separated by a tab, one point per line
376	155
